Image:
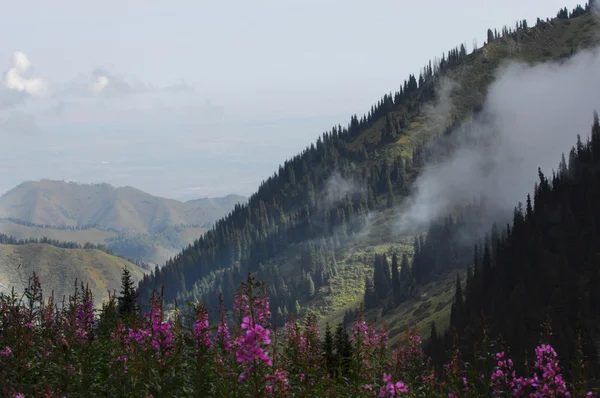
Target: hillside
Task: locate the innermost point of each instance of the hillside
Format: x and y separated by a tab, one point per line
58	269
131	222
124	209
315	231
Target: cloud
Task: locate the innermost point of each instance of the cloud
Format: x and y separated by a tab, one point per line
99	85
16	78
112	85
440	112
531	116
20	123
337	188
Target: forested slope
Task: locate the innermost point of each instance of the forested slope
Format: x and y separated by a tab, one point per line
319	221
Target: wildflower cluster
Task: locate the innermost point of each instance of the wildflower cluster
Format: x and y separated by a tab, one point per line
76	351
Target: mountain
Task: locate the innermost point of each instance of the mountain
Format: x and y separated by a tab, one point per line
132	223
59	268
124	209
322	230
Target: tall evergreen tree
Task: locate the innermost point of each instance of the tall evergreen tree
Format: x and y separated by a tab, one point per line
128	295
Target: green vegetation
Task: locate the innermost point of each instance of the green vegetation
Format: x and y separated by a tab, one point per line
60	268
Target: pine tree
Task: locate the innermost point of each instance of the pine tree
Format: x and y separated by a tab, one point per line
343	349
382	279
371	299
404	269
328	350
128	295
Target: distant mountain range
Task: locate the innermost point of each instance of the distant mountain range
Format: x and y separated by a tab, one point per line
130	222
124	209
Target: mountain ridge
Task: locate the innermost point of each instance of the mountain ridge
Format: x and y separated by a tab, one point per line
67	204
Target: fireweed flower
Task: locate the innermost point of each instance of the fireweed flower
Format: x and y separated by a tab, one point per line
370	343
162	336
201	330
250	344
6	352
548	378
405	356
503	378
84	320
223	337
391	389
123	360
277	382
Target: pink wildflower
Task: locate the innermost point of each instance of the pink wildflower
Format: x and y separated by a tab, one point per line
6	352
201	332
249	345
391	389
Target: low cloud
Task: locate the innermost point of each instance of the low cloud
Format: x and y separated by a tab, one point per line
337	188
439	113
531	116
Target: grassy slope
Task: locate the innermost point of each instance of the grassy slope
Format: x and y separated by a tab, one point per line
93	235
160	250
59	268
473	77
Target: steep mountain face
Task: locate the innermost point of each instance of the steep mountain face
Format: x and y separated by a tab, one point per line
132	223
325	220
59	269
126	209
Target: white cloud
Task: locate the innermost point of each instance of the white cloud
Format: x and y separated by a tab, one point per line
99	85
16	78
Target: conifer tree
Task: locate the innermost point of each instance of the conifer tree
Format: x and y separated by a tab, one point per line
343	349
128	295
328	350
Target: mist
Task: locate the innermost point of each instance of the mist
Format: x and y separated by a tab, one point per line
532	115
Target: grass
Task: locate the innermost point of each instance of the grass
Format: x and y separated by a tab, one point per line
161	250
58	269
92	235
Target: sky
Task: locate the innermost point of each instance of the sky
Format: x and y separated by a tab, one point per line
192	98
